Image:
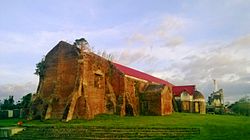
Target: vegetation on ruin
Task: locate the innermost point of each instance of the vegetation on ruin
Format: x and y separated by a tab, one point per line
40	68
211	126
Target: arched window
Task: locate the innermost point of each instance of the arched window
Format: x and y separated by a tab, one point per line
185	96
98	81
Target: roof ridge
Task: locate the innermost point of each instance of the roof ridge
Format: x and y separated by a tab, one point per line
141	75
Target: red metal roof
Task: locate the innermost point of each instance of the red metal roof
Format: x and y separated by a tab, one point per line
140	75
177	90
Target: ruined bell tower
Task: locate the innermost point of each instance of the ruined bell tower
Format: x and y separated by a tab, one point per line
216	99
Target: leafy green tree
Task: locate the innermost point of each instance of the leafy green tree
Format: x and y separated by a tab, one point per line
0	104
8	103
40	70
25	101
241	107
40	67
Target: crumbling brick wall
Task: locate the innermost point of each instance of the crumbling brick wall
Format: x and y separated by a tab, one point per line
166	100
81	84
59	77
131	98
156	100
78	85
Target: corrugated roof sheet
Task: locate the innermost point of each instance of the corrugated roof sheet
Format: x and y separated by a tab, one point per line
140	75
177	90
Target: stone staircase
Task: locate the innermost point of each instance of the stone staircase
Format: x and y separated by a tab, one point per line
106	133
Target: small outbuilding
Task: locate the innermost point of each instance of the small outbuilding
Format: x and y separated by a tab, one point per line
188	99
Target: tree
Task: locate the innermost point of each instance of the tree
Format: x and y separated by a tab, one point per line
83	44
40	67
8	103
40	70
26	100
241	107
0	104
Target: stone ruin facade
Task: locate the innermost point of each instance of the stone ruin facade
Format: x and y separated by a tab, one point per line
77	83
216	100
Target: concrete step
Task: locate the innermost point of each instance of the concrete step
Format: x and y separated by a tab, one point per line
105	133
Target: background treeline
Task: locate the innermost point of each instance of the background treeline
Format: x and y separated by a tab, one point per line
241	107
9	103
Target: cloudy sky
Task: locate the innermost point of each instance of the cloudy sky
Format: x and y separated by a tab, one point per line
184	42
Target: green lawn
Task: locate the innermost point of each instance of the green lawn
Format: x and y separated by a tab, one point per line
211	126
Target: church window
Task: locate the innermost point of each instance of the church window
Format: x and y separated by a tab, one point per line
98	81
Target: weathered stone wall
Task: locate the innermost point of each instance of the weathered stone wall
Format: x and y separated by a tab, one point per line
166	101
156	100
153	101
81	84
78	85
91	101
115	91
99	91
95	74
59	78
131	96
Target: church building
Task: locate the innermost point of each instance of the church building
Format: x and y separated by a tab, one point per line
77	83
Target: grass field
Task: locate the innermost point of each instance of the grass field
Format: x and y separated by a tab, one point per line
211	126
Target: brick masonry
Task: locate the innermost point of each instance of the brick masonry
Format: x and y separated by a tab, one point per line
81	84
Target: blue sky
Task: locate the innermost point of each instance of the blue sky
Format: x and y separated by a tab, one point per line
184	42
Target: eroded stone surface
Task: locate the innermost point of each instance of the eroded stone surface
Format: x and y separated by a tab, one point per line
81	84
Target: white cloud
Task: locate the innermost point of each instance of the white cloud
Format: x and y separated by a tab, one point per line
17	90
158	45
230	77
227	62
165	33
248	69
174	75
